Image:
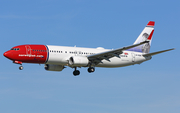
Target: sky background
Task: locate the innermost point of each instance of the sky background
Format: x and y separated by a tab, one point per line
152	87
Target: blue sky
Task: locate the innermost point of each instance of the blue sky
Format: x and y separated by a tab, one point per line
150	87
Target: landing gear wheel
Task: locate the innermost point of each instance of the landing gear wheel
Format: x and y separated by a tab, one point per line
91	69
20	67
76	72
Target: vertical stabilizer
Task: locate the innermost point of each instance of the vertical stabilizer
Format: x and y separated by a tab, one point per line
146	34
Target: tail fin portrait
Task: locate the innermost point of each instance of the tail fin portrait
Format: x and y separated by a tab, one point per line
146	35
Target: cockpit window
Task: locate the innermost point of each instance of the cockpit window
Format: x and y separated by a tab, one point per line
16	49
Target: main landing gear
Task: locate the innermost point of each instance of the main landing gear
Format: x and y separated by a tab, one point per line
76	72
91	69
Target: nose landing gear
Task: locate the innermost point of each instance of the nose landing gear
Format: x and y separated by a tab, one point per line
19	62
20	67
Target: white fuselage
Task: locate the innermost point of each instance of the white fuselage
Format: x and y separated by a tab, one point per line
59	55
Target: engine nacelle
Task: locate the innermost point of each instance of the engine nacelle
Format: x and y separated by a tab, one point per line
51	67
78	61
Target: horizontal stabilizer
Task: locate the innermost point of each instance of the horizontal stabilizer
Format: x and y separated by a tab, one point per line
154	53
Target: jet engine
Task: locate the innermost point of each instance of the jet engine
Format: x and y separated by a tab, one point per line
78	61
51	67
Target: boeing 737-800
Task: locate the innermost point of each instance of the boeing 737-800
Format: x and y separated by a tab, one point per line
56	58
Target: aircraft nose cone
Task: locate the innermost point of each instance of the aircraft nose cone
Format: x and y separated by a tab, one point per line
7	54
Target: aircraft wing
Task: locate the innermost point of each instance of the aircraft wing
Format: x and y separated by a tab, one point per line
155	53
96	58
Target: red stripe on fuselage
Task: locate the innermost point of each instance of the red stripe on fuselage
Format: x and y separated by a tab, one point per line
28	54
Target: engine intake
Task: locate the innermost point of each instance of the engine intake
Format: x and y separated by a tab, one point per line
51	67
78	61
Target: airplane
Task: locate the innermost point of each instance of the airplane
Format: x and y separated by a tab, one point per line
56	58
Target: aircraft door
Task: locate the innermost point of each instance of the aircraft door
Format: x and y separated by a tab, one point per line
133	57
28	50
79	53
76	53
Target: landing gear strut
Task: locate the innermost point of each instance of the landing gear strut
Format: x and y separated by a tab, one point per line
91	69
76	72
